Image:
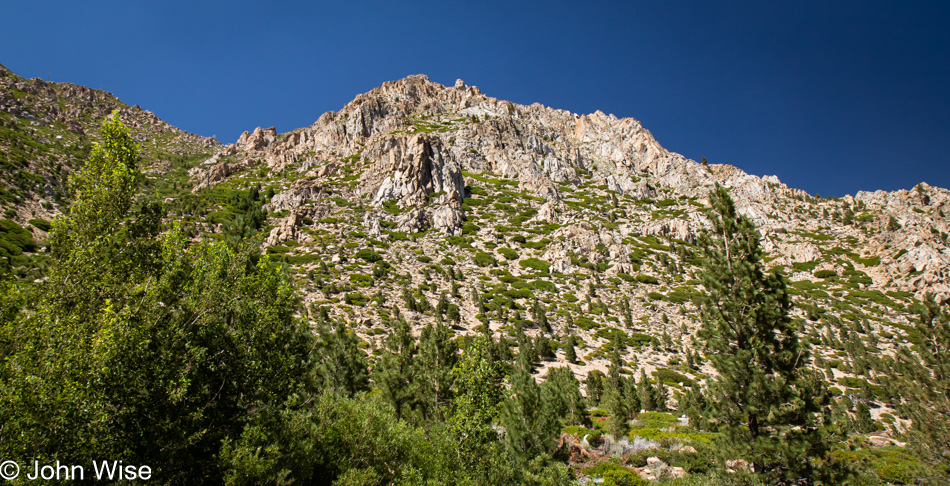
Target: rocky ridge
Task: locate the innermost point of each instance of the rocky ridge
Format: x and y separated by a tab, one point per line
525	219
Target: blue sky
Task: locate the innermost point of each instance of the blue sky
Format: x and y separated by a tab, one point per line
833	97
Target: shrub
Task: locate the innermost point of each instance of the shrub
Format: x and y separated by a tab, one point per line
677	297
627	277
537	245
584	323
623	477
368	255
14	239
508	253
671	377
41	224
825	274
361	280
483	259
355	298
536	264
391	207
647	279
423	259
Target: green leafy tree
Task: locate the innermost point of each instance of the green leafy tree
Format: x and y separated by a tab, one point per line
764	400
476	405
141	346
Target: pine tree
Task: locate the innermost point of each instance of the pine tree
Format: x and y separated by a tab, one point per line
442	307
529	428
562	396
631	396
764	399
394	374
595	387
646	392
616	407
570	354
435	375
341	364
892	224
922	394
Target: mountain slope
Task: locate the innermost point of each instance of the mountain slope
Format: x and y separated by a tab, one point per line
454	205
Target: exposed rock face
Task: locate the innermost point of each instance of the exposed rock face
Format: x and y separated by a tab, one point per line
412	138
417	169
258	140
299	193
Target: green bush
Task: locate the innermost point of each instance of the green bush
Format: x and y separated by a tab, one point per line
647	279
672	377
508	253
41	224
356	299
585	323
627	277
826	274
369	255
423	259
536	264
361	280
623	477
614	474
483	259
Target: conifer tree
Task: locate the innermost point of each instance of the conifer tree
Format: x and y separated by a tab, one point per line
529	428
341	364
763	400
394	374
570	354
595	387
631	396
646	392
435	375
613	401
922	394
562	396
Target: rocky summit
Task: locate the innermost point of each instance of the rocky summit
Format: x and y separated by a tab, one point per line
450	204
